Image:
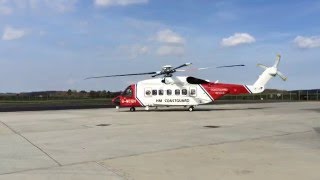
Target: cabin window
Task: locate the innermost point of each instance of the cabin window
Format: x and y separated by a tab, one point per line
154	92
160	92
147	92
193	92
127	92
184	92
177	92
169	92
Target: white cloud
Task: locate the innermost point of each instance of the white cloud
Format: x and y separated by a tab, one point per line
170	37
307	42
108	3
142	49
12	33
138	50
171	43
61	5
134	50
8	6
237	39
5	9
225	15
171	51
42	33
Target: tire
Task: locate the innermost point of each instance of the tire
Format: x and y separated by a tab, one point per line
132	109
190	109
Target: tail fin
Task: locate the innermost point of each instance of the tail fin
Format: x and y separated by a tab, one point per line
264	78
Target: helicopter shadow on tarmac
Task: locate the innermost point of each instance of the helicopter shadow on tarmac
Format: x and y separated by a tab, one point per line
198	109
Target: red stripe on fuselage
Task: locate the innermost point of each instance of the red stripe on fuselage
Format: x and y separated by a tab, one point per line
217	90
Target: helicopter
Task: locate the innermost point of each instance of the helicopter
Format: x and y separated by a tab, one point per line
186	91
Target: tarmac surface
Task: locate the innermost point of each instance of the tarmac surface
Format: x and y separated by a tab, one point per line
239	141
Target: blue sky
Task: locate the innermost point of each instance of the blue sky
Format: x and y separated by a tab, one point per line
54	45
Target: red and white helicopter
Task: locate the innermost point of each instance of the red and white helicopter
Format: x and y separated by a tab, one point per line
185	91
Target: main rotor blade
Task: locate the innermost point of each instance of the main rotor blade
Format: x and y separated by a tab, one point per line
234	65
117	75
158	74
183	65
205	68
171	71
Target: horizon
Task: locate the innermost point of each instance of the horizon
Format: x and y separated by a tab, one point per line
49	45
87	91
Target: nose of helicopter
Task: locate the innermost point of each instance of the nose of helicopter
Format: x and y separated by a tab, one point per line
116	101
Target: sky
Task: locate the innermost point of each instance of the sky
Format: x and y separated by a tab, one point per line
54	45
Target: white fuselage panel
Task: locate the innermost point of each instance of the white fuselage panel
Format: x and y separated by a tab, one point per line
175	92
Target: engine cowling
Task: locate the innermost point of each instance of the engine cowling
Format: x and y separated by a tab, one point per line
193	80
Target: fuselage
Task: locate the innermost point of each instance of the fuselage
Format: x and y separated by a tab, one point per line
175	91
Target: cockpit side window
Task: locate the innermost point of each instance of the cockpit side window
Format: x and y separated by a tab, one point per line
128	92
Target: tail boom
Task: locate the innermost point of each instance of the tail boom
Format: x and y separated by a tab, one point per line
217	90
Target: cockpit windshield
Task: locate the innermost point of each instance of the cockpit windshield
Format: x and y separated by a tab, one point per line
127	92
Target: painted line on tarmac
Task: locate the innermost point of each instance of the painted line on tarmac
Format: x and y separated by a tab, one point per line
16	132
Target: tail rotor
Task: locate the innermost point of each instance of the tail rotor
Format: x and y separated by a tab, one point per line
276	64
273	71
283	77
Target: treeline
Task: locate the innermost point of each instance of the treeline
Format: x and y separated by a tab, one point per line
92	94
74	94
69	94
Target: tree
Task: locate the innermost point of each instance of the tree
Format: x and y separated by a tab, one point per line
103	93
92	94
69	92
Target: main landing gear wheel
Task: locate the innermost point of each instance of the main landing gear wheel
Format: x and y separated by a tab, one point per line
132	109
191	108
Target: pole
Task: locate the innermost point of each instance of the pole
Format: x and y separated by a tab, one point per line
290	95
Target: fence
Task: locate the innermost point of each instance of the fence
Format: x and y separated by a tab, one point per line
48	98
279	96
